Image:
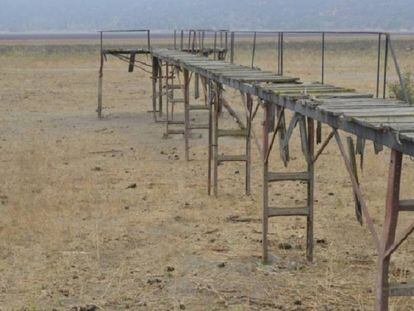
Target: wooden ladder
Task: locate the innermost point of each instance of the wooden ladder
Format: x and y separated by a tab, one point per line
307	140
216	134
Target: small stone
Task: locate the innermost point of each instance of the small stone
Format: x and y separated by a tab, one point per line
132	186
126	207
297	302
97	169
331	193
237	172
170	269
320	241
285	246
182	307
221	265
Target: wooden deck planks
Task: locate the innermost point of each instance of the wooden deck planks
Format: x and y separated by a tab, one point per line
385	121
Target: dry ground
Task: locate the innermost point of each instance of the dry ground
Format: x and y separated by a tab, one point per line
75	234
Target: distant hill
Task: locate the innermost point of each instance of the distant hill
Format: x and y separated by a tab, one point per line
82	15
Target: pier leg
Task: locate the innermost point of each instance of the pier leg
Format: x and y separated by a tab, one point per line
196	86
210	103
160	88
311	180
154	87
100	87
187	114
388	230
265	199
167	100
217	90
249	103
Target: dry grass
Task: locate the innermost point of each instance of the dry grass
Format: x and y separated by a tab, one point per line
73	234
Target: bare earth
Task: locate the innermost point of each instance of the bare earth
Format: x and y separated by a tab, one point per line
108	214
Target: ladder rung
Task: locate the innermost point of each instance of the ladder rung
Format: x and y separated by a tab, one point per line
175	132
198	127
398	289
175	87
176	100
198	107
232	133
288	211
231	158
175	122
272	176
407	205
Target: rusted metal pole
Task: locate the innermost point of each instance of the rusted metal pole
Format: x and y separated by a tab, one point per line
232	38
388	230
265	199
378	64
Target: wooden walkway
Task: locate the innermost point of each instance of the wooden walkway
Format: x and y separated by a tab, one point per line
386	122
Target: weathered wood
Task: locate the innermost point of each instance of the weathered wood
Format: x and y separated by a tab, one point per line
351	155
388	231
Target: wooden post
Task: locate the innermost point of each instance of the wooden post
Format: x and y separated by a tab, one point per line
196	86
187	114
388	230
249	102
210	103
154	87
311	180
160	88
100	80
265	199
167	100
217	91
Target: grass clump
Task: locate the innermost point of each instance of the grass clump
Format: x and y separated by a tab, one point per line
396	90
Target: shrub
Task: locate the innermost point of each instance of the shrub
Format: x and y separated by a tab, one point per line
396	90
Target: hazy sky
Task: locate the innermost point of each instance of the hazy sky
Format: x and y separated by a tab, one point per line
89	15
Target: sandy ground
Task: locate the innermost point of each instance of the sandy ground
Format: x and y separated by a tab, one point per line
106	215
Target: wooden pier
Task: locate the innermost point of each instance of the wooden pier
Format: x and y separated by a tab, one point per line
385	122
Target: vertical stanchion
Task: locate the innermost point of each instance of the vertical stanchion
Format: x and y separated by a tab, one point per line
378	65
265	199
232	37
187	114
100	80
384	91
249	103
323	59
311	180
154	87
217	90
388	230
160	88
254	48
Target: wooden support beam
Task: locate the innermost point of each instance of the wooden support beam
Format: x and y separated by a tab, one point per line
388	231
186	114
155	71
406	205
265	198
100	87
160	88
249	102
357	190
351	154
310	188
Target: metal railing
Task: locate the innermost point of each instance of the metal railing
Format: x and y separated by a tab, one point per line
280	48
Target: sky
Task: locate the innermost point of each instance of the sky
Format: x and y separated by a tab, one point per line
91	15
